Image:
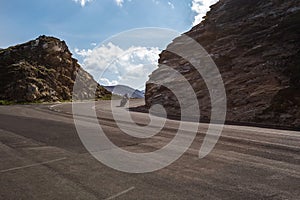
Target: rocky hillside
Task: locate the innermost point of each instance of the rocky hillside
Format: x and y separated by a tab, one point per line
256	46
43	70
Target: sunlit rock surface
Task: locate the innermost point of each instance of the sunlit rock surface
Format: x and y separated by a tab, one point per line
43	70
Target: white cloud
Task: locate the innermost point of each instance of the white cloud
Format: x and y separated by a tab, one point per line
171	5
156	2
82	2
83	52
115	65
200	7
119	2
100	57
107	82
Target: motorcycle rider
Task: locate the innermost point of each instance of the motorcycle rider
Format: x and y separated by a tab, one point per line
124	100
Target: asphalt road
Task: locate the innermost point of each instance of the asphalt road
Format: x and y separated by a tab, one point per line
42	157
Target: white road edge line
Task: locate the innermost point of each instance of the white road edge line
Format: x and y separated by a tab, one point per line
121	193
33	165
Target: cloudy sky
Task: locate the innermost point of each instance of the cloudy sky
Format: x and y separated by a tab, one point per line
97	31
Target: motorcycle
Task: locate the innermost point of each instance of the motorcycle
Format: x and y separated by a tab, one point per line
124	101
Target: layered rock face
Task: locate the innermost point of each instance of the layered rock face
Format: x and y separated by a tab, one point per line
44	70
255	45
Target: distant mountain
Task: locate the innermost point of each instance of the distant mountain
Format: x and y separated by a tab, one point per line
123	89
44	70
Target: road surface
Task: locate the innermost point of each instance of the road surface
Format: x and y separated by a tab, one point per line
42	157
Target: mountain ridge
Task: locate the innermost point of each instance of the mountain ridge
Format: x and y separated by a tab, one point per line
124	89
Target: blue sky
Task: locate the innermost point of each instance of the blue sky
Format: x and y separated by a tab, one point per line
85	24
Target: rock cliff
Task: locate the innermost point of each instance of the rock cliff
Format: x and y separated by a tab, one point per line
43	70
256	46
